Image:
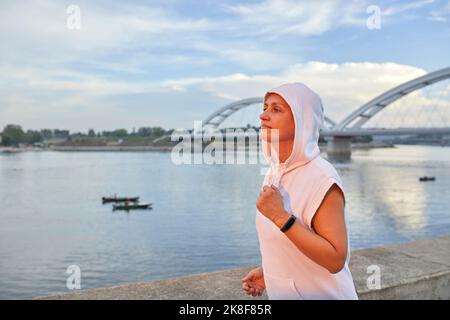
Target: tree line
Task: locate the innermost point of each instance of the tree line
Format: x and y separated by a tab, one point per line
13	135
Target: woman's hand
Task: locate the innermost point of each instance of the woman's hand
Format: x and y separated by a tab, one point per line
253	282
270	203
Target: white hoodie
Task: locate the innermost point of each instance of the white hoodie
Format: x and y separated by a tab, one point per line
303	180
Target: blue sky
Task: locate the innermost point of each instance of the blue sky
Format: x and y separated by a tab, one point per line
169	63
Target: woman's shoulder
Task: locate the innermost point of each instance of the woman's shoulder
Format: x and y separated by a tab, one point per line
320	168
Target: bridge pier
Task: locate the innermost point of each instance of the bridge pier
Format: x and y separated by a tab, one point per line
339	147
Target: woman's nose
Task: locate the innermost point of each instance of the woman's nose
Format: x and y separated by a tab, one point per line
263	116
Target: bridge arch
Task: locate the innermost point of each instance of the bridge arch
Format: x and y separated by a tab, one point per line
360	116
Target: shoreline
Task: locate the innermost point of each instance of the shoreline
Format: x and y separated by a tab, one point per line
111	149
323	147
165	148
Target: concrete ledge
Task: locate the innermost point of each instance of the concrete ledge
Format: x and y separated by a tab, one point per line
415	270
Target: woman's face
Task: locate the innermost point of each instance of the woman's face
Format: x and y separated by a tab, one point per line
277	115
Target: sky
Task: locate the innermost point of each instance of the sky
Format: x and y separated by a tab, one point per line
126	64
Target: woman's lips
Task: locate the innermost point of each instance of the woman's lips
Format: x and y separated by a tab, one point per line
265	127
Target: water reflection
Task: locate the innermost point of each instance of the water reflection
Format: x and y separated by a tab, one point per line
203	216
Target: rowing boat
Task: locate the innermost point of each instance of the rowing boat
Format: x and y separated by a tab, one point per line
119	199
132	206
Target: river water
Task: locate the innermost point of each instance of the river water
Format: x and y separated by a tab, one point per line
51	215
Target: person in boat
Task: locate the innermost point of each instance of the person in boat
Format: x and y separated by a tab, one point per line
300	211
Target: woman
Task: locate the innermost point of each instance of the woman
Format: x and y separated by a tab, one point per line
300	217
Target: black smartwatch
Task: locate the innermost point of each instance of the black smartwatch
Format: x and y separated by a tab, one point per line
288	223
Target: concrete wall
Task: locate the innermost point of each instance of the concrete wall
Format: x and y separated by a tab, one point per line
415	270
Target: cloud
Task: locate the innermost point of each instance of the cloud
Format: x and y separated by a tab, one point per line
279	17
440	15
130	56
403	7
343	87
103	25
129	38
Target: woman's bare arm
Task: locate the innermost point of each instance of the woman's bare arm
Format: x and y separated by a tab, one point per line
327	244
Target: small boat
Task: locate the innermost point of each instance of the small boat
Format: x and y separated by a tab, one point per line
424	178
131	206
119	199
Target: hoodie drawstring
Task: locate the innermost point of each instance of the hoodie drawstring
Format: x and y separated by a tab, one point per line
276	173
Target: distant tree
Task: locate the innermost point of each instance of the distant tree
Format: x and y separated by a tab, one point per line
151	132
120	133
158	131
145	131
13	135
91	133
57	133
47	134
77	135
33	137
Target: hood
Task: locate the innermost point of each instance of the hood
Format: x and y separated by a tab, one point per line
307	111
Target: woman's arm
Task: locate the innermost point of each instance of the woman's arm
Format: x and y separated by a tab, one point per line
328	245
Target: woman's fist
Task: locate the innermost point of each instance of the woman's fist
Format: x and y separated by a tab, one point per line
270	203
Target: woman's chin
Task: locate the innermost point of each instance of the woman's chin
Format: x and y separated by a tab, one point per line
266	134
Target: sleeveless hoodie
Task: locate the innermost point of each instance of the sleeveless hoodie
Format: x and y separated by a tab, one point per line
303	180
